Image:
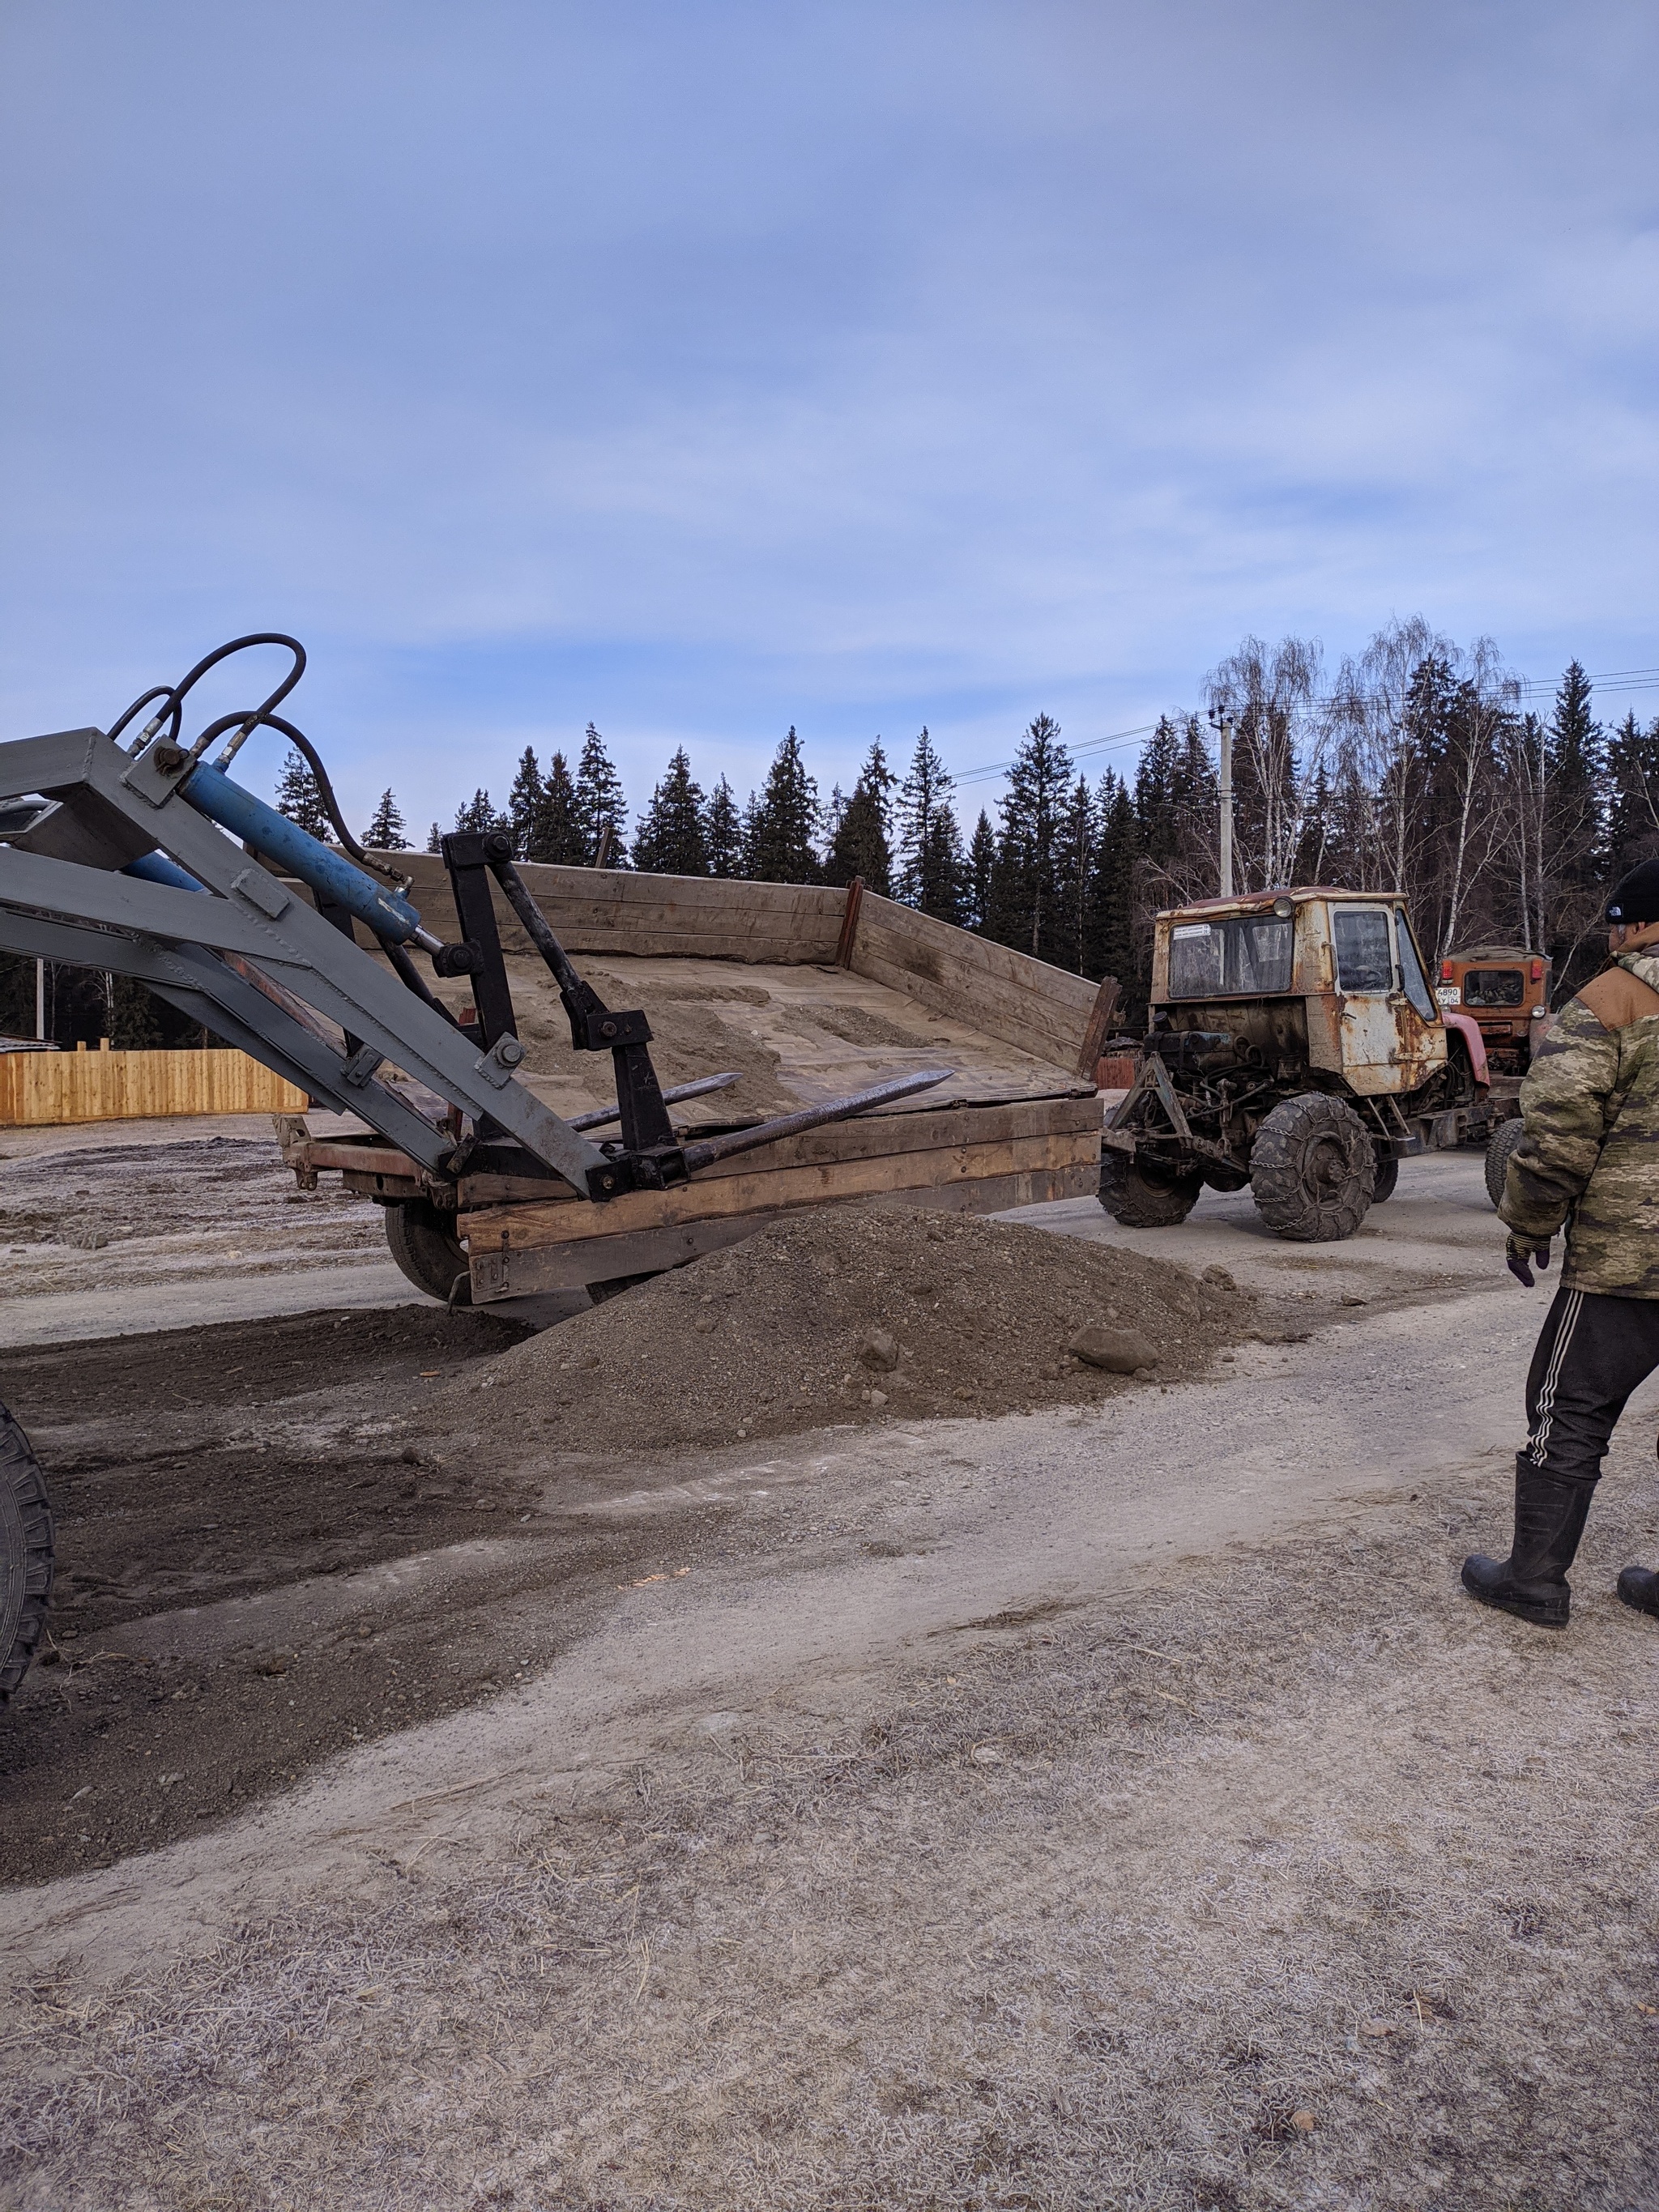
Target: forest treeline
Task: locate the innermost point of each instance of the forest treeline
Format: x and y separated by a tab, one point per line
1417	765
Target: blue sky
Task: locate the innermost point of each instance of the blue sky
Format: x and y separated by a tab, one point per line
699	370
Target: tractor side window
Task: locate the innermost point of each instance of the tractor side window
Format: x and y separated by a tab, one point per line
1494	986
1411	970
1364	957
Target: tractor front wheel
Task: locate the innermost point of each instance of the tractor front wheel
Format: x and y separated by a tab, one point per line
27	1552
424	1244
1143	1200
1313	1170
1388	1175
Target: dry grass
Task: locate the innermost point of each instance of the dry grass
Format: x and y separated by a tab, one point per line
1097	1914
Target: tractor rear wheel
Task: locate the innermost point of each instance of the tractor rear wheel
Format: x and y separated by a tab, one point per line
1143	1200
424	1244
1507	1135
27	1543
1313	1170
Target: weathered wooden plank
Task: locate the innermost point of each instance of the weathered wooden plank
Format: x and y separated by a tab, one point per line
870	1136
514	1274
712	1196
520	1274
1023	1002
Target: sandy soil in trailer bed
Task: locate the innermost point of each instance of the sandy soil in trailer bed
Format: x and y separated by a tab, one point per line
1114	1804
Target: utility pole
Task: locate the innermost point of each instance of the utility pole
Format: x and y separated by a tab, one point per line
40	1001
1223	723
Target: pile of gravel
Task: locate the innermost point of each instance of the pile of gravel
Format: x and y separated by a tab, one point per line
860	1314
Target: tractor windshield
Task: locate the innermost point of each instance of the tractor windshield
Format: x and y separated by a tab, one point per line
1250	956
1494	986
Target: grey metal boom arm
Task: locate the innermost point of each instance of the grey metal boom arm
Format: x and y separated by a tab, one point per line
62	908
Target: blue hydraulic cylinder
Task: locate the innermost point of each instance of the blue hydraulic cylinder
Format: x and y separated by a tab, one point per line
156	868
210	791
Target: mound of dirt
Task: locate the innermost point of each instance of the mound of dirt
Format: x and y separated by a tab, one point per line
854	1314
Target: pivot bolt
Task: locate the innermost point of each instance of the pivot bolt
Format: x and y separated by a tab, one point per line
607	1029
169	757
509	1052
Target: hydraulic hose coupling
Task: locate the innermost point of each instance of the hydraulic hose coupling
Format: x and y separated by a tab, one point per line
386	911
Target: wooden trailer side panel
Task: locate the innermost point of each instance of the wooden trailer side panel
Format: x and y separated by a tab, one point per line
1008	995
979	1159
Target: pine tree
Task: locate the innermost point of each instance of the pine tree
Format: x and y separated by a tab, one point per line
781	849
1116	852
435	843
1075	934
670	840
524	805
982	862
1573	861
932	867
1025	896
857	841
386	832
299	796
600	803
722	833
557	838
479	814
749	834
1633	796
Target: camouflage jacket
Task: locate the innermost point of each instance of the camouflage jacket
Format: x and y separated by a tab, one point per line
1590	1155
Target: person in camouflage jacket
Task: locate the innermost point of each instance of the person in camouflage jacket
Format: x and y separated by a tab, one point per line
1588	1163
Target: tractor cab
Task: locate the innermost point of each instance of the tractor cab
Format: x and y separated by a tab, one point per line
1317	980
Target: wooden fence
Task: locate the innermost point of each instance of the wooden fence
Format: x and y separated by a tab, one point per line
47	1087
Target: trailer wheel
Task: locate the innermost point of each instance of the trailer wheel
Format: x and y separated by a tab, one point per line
1499	1153
1388	1175
1313	1170
26	1547
1140	1200
424	1244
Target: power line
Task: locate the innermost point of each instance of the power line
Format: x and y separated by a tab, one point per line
1615	679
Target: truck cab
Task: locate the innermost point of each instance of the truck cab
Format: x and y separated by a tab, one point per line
1505	991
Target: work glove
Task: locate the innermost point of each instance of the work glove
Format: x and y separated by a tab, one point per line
1522	1252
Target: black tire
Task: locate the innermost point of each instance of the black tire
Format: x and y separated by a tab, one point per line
1313	1169
600	1292
1507	1135
424	1244
1140	1200
28	1548
1388	1175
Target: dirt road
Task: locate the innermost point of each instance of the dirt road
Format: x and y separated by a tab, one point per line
1112	1806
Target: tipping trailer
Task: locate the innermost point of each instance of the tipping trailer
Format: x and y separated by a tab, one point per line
507	1113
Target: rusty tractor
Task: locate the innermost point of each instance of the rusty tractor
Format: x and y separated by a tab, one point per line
1297	1048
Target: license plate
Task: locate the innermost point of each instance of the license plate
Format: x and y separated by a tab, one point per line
1450	995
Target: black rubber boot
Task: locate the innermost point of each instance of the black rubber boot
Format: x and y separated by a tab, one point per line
1639	1586
1532	1582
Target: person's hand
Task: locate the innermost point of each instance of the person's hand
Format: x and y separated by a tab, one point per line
1523	1253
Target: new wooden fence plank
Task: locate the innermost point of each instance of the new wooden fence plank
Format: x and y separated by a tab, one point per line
45	1088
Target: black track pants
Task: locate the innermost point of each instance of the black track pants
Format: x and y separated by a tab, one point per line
1592	1352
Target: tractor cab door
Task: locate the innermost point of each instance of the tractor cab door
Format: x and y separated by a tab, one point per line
1362	938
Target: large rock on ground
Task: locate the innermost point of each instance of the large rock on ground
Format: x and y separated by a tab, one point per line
1118	1351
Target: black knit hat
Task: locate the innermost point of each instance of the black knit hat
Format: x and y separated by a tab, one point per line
1635	900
